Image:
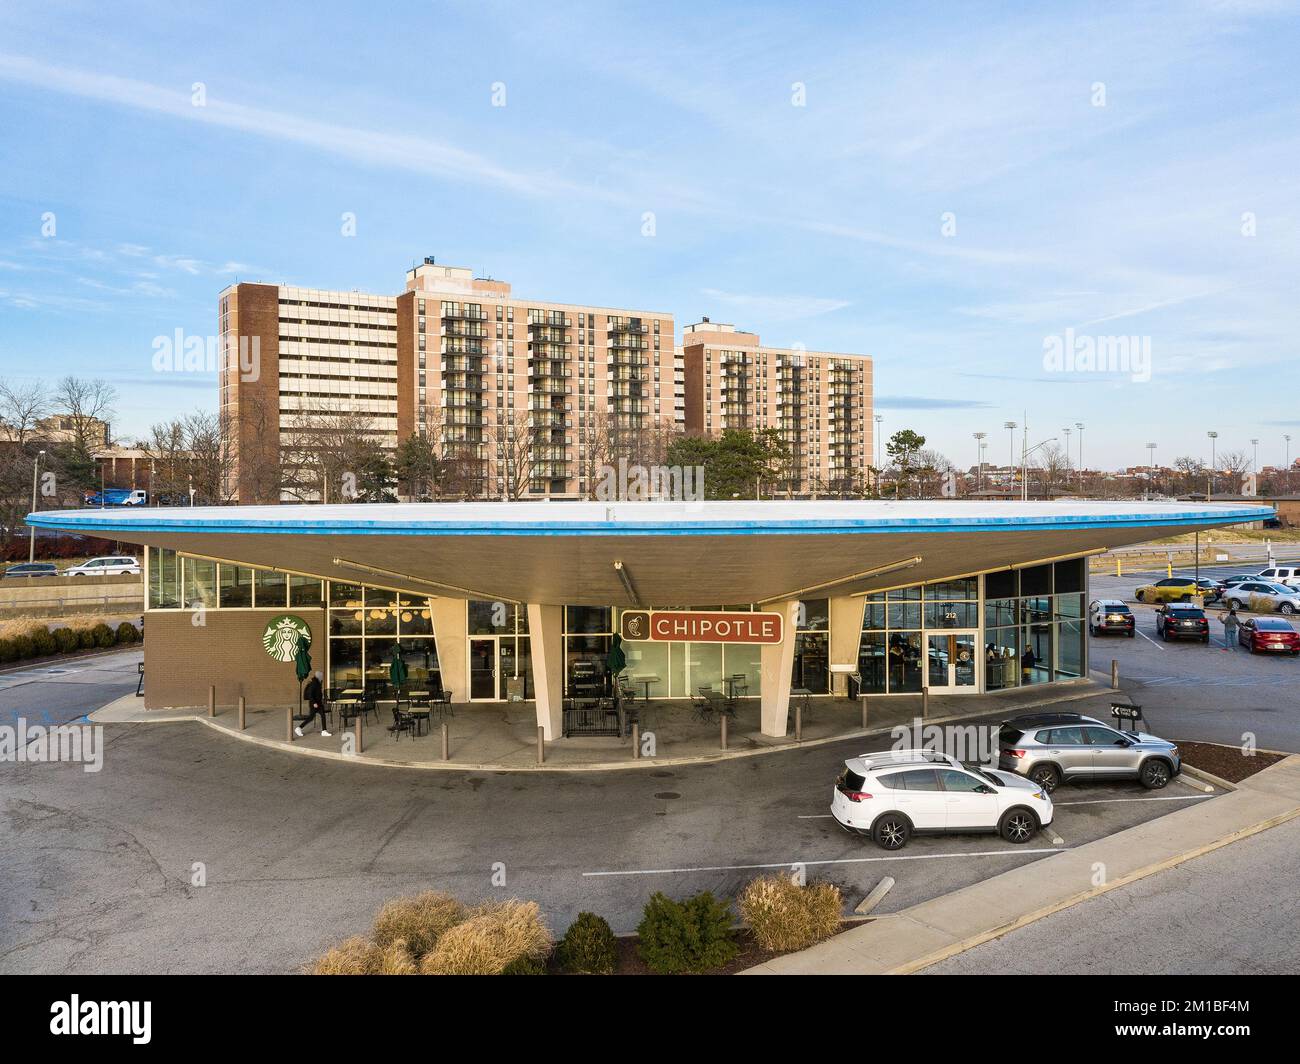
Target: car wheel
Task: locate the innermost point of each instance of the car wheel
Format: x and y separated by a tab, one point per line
1092	630
1286	607
1018	825
1046	776
891	831
1154	774
1131	634
1205	639
1234	603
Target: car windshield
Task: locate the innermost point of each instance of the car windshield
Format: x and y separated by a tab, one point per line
986	775
1186	614
1272	624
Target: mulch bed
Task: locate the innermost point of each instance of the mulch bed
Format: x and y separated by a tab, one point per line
630	962
1226	762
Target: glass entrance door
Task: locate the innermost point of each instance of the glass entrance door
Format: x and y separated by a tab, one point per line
952	660
482	670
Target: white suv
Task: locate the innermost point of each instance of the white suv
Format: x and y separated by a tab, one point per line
895	793
112	565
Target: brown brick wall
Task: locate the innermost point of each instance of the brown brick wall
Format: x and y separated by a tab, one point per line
181	660
255	312
407	378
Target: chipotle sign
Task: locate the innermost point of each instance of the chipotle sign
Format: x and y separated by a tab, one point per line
686	626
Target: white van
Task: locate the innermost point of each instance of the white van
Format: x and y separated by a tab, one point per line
111	565
1282	574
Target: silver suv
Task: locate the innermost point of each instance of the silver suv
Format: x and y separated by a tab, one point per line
1051	747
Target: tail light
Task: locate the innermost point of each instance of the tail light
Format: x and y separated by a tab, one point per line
856	796
1014	753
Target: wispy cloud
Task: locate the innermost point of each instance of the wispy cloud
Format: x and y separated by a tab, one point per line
775	308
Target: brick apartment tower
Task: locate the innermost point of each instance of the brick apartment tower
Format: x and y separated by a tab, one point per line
819	402
532	396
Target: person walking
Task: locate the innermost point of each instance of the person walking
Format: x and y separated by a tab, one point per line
1231	622
314	696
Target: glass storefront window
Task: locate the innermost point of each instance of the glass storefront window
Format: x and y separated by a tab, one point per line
380	620
588	619
905	662
811	662
873	617
164	579
345	663
1069	650
951	615
270	589
952	589
871	663
814	615
905	615
1070	575
1036	580
305	591
414	616
743	659
235	587
344	594
706	666
1001	658
200	583
491	618
646	660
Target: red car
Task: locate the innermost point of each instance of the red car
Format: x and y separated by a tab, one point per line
1269	634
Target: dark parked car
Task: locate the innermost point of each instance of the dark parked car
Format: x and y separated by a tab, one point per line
1178	620
1268	634
31	569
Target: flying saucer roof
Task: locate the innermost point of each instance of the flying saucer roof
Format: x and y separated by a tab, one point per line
648	553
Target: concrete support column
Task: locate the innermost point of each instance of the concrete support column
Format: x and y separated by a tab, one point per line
450	627
846	636
546	629
776	662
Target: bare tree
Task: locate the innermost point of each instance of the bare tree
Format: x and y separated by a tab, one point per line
22	405
87	404
513	454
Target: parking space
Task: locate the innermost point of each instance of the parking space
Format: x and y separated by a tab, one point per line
1217	692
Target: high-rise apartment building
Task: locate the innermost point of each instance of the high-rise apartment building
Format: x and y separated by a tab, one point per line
530	398
819	403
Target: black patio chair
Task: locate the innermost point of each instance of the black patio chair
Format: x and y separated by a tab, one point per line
702	706
420	710
402	722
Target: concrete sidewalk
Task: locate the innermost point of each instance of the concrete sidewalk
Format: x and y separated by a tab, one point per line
925	934
503	736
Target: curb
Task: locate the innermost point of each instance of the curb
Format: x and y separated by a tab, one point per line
597	766
911	967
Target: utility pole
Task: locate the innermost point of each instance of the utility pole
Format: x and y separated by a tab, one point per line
1151	469
1011	427
1079	425
979	454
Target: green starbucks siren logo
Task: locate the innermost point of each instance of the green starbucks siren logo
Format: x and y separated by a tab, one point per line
280	639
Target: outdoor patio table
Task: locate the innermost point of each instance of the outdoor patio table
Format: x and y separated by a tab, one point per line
646	681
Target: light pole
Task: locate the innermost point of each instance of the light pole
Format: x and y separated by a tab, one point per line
1151	469
1024	466
879	418
1011	427
1209	480
1079	425
979	455
1287	436
31	531
1254	461
1066	433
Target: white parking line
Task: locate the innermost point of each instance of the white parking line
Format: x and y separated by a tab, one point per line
816	816
1149	639
1107	801
790	864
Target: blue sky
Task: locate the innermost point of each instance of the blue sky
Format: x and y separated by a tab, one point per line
1127	169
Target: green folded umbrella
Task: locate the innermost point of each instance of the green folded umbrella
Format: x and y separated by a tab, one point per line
302	664
616	661
397	671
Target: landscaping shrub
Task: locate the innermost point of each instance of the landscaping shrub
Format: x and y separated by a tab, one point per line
127	633
491	939
419	921
360	956
66	639
104	636
786	916
525	966
588	947
7	652
688	936
86	637
43	642
22	647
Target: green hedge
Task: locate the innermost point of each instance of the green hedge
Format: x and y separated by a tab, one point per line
40	642
588	947
686	936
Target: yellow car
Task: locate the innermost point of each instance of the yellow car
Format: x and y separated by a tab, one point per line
1175	589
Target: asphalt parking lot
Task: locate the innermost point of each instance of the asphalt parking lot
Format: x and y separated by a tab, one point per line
1188	690
103	870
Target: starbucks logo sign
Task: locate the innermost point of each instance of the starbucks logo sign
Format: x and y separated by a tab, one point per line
280	638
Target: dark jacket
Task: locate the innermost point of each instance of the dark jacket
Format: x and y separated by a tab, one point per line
313	695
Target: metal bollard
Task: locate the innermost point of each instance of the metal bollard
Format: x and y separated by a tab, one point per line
360	738
636	741
1114	675
446	742
864	712
925	701
243	706
724	731
798	722
541	745
212	700
288	724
